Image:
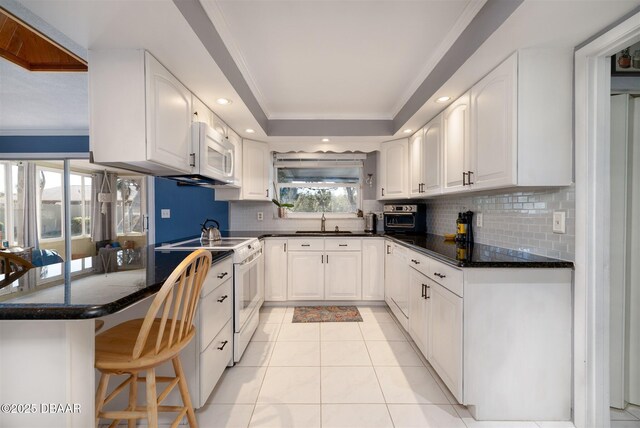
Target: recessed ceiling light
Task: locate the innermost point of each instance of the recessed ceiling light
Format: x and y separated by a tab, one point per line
223	101
406	131
325	140
443	99
249	131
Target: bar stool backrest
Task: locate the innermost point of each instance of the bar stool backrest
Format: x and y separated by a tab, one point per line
175	303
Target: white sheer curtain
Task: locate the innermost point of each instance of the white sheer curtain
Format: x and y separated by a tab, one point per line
103	213
26	209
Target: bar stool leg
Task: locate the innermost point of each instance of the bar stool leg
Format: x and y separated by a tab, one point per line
184	392
133	397
152	399
101	394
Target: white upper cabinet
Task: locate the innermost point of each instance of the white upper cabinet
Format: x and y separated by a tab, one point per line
416	164
393	170
168	118
257	166
140	114
219	125
200	111
237	155
455	120
493	123
521	118
432	157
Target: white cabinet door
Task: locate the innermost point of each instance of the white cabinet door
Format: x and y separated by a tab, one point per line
200	111
219	125
256	166
394	162
493	128
343	275
398	279
418	310
456	143
373	269
237	155
306	275
275	271
416	164
168	118
432	157
445	336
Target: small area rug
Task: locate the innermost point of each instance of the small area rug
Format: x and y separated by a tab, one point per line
326	314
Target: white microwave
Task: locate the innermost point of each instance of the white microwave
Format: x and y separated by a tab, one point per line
215	153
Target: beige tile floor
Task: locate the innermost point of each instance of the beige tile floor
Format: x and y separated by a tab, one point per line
365	374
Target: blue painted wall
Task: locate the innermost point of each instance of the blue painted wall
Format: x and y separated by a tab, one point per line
44	144
189	206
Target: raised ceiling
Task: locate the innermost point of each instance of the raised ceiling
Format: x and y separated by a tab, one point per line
337	59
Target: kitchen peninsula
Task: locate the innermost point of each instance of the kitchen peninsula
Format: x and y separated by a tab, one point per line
47	330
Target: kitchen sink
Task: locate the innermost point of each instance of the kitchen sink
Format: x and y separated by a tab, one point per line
340	232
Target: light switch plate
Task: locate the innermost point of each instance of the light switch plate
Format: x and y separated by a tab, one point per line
559	222
260	216
479	220
165	213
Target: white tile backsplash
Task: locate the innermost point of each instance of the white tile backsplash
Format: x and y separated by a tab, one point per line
519	220
244	216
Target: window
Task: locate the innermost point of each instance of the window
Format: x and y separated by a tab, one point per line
3	202
81	186
129	205
315	183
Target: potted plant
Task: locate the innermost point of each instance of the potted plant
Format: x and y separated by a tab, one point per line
282	208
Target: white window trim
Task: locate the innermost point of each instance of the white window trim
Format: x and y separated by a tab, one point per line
39	205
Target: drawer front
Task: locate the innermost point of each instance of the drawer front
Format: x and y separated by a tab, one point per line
447	276
342	244
214	360
301	244
218	274
420	263
215	311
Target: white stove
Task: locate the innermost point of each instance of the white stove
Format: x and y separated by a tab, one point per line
242	248
248	282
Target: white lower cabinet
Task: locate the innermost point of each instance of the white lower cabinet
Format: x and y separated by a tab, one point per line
306	275
343	275
396	280
373	269
444	349
419	310
275	270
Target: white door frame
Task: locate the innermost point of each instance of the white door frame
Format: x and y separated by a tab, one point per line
591	312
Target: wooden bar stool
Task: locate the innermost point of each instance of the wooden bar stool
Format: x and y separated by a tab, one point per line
143	344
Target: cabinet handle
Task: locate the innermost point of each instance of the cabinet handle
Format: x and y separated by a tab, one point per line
439	275
222	299
464	181
415	261
285	247
222	275
388	249
427	294
469	178
424	290
267	193
343	245
223	345
192	156
305	245
327	258
383	191
322	258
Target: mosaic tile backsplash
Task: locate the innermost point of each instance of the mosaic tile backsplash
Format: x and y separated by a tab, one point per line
519	220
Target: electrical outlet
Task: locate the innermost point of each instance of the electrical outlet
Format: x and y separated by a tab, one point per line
165	213
559	222
260	216
479	220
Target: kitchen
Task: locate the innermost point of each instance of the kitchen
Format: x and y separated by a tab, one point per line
511	217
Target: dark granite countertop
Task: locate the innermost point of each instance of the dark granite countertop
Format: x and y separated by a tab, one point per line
97	286
477	256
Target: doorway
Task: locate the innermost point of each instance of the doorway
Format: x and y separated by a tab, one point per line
593	168
624	287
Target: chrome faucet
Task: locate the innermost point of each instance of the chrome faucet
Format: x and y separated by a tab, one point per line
323	220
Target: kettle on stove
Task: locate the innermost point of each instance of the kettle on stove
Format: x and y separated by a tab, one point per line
211	233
